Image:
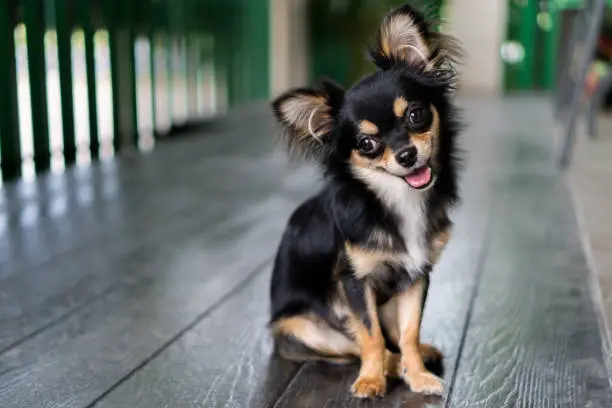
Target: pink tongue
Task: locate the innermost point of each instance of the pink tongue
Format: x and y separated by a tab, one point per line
419	178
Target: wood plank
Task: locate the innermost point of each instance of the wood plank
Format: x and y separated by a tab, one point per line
64	286
75	210
162	293
225	360
217	138
70	282
534	339
160	206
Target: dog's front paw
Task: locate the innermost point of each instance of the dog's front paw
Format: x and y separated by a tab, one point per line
424	382
369	387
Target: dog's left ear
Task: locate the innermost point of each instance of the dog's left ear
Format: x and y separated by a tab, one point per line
405	37
307	117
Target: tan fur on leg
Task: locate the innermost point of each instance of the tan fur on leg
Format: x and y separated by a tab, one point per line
412	368
371	381
393	360
317	335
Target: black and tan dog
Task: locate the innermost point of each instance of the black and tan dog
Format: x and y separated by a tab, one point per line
352	270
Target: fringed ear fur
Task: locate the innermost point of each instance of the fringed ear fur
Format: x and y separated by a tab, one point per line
307	117
406	37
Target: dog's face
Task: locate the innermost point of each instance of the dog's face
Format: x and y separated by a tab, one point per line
389	122
391	125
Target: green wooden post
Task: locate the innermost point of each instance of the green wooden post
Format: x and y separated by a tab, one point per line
191	22
170	33
35	30
527	37
118	18
220	48
130	32
330	55
230	34
152	43
257	41
183	42
226	48
64	31
10	147
153	25
85	19
241	63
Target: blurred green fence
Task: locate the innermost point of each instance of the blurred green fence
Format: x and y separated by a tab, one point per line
535	35
82	79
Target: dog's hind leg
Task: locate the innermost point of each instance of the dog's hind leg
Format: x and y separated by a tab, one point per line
309	338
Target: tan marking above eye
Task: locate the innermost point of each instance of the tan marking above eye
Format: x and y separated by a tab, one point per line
399	106
368	128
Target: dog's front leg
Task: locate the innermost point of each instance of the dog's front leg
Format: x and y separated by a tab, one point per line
363	323
412	369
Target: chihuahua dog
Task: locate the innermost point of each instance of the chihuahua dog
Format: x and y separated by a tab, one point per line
352	270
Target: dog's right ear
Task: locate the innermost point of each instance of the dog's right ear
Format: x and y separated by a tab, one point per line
307	117
406	37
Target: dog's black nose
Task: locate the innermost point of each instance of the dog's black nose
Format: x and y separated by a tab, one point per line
407	156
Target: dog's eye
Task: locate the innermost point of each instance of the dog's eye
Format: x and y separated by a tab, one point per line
367	145
417	116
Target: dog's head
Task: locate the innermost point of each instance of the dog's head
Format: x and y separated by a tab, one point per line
391	121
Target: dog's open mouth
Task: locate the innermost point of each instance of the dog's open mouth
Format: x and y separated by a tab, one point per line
420	178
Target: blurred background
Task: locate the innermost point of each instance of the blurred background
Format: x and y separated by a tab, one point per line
85	79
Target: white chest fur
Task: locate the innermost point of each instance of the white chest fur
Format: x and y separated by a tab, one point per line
409	205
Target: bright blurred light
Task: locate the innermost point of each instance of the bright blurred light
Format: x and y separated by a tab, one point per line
545	21
512	52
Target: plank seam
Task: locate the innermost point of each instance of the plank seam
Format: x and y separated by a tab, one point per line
479	274
111	288
249	278
288	386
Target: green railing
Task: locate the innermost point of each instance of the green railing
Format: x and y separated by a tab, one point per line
537	30
574	4
84	79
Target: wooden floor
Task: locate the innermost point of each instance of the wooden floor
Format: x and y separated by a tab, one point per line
143	282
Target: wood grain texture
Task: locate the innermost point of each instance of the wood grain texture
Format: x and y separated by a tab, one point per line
71	280
64	215
534	339
155	289
166	205
74	362
224	361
